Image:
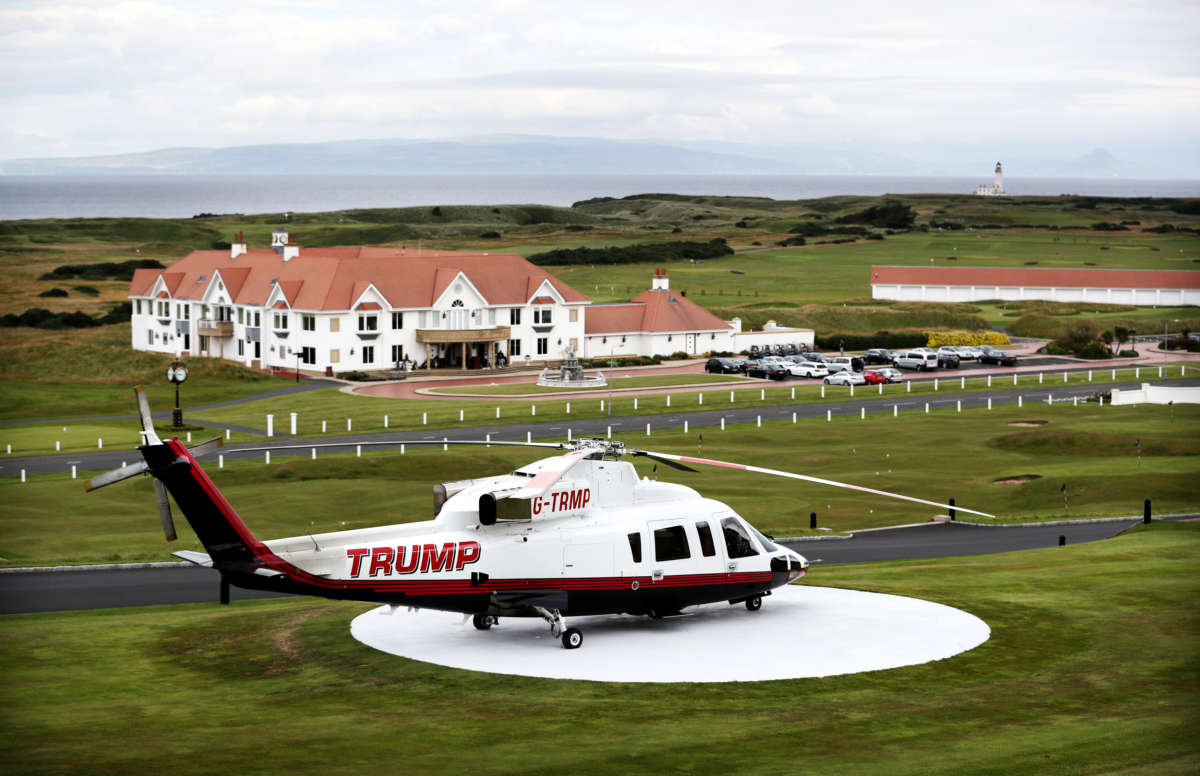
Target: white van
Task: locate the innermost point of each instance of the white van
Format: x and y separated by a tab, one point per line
915	359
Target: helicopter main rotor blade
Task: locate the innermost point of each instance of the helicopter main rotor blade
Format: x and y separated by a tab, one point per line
206	447
662	459
116	475
794	476
428	442
144	413
551	473
164	510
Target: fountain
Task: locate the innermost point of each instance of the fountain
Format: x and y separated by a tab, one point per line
570	375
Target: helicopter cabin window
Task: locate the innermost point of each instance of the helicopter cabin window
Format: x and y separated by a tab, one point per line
635	547
737	541
671	543
706	541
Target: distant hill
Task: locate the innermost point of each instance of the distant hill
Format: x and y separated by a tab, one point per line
509	154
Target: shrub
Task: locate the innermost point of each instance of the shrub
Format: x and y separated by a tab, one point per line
122	270
791	241
54	292
88	290
640	253
1055	349
938	338
890	214
489	235
1128	354
1094	349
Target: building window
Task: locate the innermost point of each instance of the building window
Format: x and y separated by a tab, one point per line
150	337
241	315
514	316
397	354
335	325
368	354
368	322
543	346
137	306
492	316
397	320
541	316
164	309
514	347
335	356
309	323
281	321
574	315
308	356
241	348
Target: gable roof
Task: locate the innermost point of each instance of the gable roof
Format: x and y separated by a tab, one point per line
1035	276
333	278
657	311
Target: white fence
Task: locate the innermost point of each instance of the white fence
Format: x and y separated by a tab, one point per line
1156	394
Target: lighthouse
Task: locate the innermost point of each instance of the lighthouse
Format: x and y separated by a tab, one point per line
996	189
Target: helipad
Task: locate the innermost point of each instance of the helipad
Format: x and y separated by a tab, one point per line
801	631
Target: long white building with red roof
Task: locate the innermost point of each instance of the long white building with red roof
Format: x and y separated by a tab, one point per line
1170	287
361	308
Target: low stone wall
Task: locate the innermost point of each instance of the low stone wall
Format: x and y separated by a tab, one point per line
1157	394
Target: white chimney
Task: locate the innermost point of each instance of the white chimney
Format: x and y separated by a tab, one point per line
238	247
735	323
660	281
290	252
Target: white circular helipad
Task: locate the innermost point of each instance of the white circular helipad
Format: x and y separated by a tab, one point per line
801	631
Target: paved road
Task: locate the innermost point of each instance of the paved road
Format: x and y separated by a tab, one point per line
68	590
743	411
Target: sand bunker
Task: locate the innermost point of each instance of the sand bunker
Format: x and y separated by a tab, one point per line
1028	423
1017	480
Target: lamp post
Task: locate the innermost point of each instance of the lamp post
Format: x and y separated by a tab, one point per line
1166	339
176	374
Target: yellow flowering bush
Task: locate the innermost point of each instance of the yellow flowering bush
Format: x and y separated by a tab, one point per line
939	338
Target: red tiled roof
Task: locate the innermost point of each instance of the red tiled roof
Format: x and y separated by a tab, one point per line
652	312
333	278
1036	277
368	306
542	300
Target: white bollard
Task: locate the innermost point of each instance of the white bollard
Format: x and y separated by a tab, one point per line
1014	378
668	400
314	453
323	426
647	429
10	450
358	451
294	415
1040	376
731	397
828	416
702	396
926	408
402	449
958	404
1050	399
1064	377
424	418
909	384
793	418
72	471
962	382
989	381
1074	401
267	457
880	387
22	475
445	446
99	444
895	410
822	390
722	424
609	432
762	394
532	409
385	422
989	402
935	384
685	427
498	412
270	425
487	438
1114	374
1101	400
189	437
862	413
220	461
635	402
759	421
349	424
528	437
851	390
568	434
460	414
1019	402
793	392
569	406
57	445
1089	375
1160	371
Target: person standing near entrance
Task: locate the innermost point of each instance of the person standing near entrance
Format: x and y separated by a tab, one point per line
841	347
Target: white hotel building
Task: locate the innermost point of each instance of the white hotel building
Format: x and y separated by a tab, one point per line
327	310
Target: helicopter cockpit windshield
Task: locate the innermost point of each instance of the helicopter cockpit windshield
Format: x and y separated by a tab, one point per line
737	539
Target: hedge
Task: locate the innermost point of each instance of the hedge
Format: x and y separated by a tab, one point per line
880	339
939	338
633	254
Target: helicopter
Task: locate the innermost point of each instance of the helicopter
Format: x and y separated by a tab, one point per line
577	533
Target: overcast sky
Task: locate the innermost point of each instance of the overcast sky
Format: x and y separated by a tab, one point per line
85	78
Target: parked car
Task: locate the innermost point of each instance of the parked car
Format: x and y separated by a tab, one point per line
724	366
843	363
808	369
947	359
815	357
998	357
967	352
878	356
915	359
846	378
888	375
873	378
771	370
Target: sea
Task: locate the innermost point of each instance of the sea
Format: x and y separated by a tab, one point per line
184	196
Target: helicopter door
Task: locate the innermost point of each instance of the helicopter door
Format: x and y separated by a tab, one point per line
670	549
587	560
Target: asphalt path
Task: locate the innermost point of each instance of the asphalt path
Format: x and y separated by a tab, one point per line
743	411
46	591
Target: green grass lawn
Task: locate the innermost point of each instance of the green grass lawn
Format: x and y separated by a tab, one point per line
945	454
1091	668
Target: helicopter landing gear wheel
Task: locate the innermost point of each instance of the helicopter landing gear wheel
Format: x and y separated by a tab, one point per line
572	638
754	603
484	622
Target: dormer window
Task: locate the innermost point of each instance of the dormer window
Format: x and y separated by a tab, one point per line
542	316
368	322
281	321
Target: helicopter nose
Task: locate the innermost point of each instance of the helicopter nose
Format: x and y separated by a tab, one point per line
798	565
